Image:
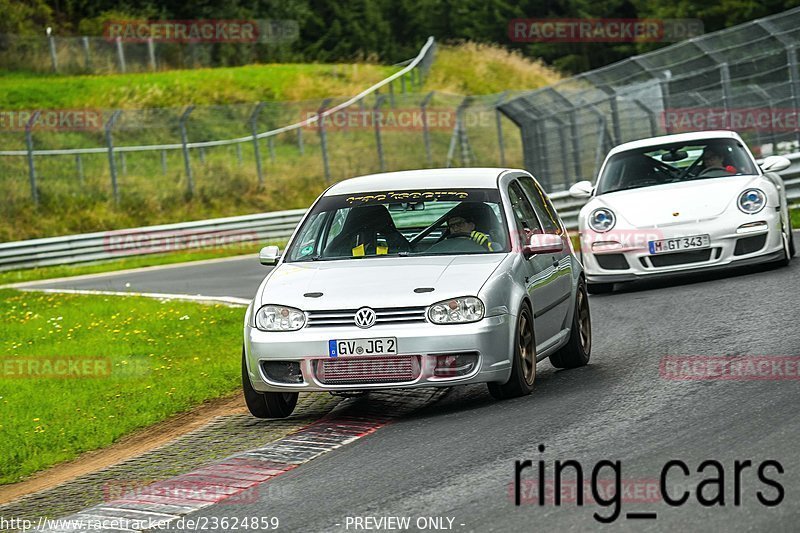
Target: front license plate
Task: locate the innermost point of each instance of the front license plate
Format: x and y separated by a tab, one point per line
378	346
681	243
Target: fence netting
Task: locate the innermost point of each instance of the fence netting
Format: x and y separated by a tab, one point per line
743	78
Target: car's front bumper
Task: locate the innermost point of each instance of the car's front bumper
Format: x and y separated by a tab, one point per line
491	339
633	263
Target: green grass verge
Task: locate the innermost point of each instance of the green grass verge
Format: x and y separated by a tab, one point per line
147	360
63	271
180	87
75	196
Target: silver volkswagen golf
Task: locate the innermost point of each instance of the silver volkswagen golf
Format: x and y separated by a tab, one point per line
420	278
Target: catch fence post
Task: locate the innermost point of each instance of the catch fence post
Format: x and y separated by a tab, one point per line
31	166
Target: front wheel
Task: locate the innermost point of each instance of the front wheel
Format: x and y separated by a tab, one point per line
579	347
788	248
266	404
523	367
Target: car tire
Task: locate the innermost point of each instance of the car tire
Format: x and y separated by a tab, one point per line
523	366
599	288
266	404
791	237
579	346
788	247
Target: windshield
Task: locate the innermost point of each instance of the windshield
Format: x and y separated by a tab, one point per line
418	222
675	162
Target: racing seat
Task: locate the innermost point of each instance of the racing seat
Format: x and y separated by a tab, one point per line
363	231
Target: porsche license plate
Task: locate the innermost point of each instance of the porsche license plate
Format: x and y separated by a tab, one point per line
679	244
377	346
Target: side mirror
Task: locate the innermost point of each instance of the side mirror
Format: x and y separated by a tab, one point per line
775	163
544	243
269	255
582	189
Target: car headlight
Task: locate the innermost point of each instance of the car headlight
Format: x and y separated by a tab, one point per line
279	318
456	311
602	220
752	201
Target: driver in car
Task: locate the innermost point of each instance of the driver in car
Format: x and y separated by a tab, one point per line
461	226
714	159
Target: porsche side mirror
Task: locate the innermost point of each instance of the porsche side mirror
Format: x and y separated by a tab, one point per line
582	189
775	163
544	243
269	255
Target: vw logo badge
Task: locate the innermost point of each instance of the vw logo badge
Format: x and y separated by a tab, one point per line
365	318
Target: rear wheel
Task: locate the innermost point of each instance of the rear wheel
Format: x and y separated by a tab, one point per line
523	367
600	288
579	347
791	237
266	404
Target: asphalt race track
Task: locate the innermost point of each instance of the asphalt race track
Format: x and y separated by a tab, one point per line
455	458
237	277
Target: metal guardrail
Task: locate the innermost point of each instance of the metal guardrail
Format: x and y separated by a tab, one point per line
148	240
222	232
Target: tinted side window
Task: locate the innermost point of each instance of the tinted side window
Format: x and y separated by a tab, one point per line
524	215
542	205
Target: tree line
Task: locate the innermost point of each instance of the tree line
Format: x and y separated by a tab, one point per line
393	30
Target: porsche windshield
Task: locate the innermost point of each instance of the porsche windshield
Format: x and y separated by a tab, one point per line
675	162
401	223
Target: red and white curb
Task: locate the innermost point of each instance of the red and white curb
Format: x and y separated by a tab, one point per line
156	505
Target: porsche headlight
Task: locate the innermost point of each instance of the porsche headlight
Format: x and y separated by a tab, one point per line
456	311
279	318
752	201
602	220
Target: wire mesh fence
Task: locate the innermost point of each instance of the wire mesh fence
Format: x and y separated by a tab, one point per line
379	132
744	78
113	153
141	46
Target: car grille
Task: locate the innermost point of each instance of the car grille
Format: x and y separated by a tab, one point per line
395	315
366	370
680	258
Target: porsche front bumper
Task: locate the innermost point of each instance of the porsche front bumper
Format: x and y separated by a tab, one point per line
732	243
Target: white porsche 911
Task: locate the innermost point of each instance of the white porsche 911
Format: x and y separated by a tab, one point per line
682	203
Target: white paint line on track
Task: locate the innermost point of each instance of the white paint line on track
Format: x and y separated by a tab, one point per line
23	284
199	298
236	479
